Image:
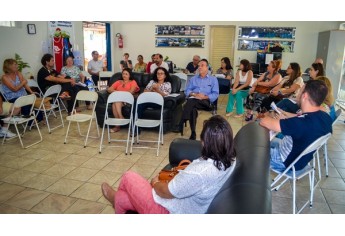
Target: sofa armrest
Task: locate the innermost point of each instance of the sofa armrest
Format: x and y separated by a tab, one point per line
172	102
181	149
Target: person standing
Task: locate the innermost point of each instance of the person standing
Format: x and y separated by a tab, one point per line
202	90
95	66
126	63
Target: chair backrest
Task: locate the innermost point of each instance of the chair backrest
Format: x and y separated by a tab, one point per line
337	116
25	100
182	76
87	96
121	96
55	89
311	148
105	74
152	97
86	74
33	83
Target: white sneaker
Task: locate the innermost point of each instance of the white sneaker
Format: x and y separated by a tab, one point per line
5	132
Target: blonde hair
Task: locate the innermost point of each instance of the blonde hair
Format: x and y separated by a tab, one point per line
7	64
329	100
276	64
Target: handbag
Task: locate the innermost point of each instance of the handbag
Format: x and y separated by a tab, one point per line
167	175
262	89
46	103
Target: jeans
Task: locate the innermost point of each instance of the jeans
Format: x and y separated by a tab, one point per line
276	162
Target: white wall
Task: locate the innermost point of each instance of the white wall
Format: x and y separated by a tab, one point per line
139	38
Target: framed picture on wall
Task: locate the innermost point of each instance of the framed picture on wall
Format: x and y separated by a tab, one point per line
31	28
180	30
180	42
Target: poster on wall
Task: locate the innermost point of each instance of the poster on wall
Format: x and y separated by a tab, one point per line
61	36
180	30
180	42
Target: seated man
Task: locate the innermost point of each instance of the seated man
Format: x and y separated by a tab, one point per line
95	66
202	90
192	66
158	62
47	77
5	109
299	131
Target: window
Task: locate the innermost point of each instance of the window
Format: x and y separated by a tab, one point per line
8	23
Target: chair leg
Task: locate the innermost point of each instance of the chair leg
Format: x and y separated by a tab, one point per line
326	158
294	196
88	131
101	143
69	124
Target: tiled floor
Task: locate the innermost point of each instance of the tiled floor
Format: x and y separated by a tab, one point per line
53	177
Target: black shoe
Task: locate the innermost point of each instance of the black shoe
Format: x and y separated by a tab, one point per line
193	136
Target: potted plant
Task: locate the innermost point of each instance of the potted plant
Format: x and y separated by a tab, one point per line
21	64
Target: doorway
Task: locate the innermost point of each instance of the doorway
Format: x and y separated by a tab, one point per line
222	45
95	39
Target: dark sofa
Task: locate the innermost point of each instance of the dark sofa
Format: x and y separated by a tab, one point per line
172	105
247	191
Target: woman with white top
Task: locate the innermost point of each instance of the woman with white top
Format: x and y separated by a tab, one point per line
240	88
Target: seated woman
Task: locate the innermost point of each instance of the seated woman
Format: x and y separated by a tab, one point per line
192	190
127	83
289	87
290	105
225	68
267	80
141	65
73	72
160	83
14	85
240	88
328	104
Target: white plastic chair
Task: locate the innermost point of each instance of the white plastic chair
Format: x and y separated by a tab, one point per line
148	97
33	83
183	78
325	155
118	96
83	95
105	74
54	104
293	175
20	120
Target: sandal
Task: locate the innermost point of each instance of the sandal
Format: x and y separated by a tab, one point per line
238	116
115	129
249	117
228	114
65	95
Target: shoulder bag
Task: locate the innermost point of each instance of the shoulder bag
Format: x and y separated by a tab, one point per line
167	175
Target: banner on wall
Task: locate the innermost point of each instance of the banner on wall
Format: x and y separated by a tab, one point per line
61	34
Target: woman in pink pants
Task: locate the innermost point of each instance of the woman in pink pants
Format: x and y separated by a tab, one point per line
192	190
